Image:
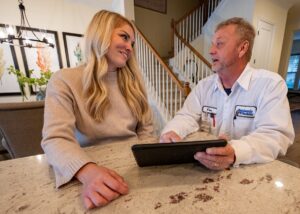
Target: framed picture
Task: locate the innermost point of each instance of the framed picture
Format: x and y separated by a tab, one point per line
8	82
44	58
156	5
74	48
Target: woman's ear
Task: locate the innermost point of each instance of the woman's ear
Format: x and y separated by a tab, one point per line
243	48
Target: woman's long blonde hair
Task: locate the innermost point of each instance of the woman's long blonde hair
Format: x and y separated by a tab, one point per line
97	42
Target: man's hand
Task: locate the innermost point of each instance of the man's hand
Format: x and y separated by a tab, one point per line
169	137
100	185
216	158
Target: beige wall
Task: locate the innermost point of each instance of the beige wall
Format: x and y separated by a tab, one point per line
273	13
124	7
292	24
59	15
157	26
225	10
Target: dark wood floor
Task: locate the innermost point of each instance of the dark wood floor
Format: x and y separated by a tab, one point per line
294	99
293	153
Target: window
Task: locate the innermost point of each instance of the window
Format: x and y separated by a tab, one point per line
291	77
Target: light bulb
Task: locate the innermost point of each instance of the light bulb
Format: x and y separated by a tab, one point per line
50	40
2	34
27	41
10	30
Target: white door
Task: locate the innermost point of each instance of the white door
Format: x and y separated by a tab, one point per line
263	45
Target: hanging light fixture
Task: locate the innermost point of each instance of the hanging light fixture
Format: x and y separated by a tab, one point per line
9	34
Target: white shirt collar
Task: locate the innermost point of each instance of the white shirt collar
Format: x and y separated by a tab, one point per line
243	80
245	77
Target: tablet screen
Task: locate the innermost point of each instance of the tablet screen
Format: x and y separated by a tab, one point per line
171	153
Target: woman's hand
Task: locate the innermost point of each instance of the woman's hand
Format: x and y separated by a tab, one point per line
100	185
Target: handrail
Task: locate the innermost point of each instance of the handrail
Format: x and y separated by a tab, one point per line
163	86
189	12
190	25
168	69
192	48
191	65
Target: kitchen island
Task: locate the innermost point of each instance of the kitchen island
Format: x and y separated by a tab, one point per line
28	186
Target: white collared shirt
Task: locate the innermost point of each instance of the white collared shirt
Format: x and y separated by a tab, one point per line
255	116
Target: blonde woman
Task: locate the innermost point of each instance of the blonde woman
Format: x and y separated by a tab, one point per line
103	100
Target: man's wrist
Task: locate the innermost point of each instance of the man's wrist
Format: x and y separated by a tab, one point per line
234	159
233	162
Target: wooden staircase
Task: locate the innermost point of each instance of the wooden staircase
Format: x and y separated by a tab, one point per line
163	86
165	89
191	65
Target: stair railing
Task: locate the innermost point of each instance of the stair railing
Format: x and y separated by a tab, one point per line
161	83
187	60
191	24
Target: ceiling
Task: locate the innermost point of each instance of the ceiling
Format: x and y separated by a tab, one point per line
287	3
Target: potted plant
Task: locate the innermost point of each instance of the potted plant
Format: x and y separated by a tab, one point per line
39	83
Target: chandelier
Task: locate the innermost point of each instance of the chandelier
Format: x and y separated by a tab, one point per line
23	32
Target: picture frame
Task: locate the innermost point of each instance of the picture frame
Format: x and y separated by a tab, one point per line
39	59
8	82
73	44
155	5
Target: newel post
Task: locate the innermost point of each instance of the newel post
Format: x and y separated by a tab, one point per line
187	88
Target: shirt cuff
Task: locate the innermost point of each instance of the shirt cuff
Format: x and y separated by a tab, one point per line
242	152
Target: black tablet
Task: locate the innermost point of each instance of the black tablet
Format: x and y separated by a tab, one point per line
171	153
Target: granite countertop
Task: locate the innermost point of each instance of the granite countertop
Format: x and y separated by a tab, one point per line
28	186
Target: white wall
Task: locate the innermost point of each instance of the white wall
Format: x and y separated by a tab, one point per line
292	25
58	15
225	10
157	26
125	7
272	12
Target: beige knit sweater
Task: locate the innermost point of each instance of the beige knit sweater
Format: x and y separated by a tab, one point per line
65	115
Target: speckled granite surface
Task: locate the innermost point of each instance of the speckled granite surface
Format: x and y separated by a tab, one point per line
27	186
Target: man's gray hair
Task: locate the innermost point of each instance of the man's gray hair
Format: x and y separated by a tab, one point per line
245	30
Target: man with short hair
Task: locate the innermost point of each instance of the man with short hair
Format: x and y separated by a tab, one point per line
244	105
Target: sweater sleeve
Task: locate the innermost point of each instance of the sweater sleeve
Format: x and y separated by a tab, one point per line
59	142
145	129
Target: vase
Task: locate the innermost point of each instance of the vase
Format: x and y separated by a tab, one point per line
41	93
